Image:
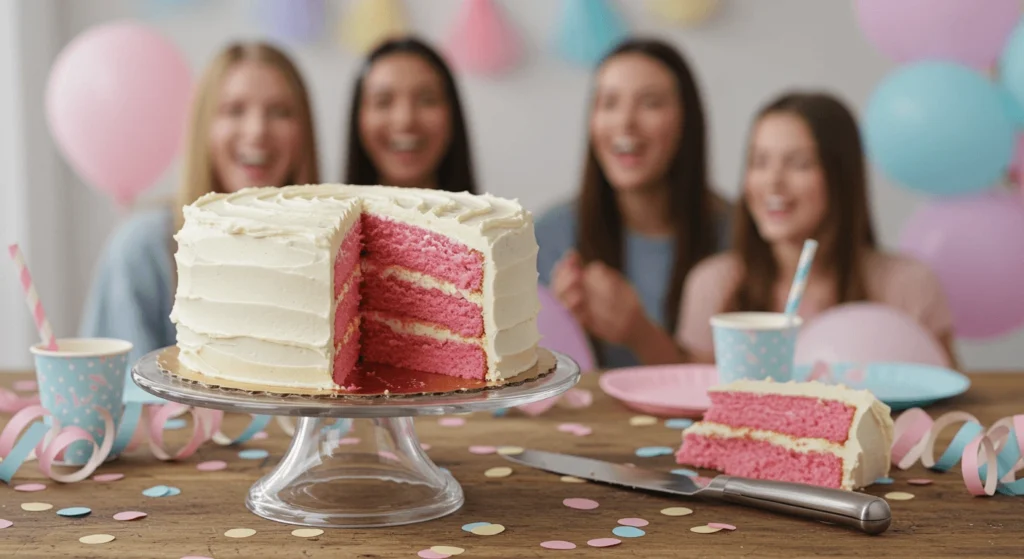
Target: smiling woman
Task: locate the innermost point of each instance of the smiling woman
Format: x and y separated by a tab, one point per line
251	125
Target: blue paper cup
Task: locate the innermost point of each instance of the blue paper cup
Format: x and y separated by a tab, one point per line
754	345
83	373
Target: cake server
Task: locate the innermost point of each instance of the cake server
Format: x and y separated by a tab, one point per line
867	513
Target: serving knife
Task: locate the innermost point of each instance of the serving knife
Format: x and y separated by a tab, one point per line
863	512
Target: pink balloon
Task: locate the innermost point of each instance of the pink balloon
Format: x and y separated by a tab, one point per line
117	102
952	30
559	331
976	247
867	333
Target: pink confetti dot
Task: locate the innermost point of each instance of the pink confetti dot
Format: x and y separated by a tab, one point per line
604	542
108	477
634	522
130	515
922	481
260	435
451	422
479	449
580	504
349	440
425	446
569	427
30	487
211	465
558	544
5	523
721	526
25	385
431	554
387	455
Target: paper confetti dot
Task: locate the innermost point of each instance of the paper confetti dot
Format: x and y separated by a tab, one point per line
36	507
705	529
685	472
30	487
431	554
211	465
676	511
130	515
172	491
96	539
75	512
721	526
652	451
899	496
240	532
260	435
558	544
349	440
572	479
576	429
642	420
473	525
425	447
678	423
510	450
500	471
108	477
628	532
253	454
156	491
581	504
5	523
922	481
447	550
451	422
635	522
604	542
174	424
307	532
479	449
884	481
488	530
25	385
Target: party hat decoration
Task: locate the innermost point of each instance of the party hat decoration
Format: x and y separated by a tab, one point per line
683	12
370	22
481	41
292	20
588	29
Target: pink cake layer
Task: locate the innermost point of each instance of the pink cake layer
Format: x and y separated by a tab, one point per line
346	277
346	355
797	416
381	344
348	256
389	242
745	457
402	298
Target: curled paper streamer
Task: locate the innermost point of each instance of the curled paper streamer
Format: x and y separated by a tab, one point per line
989	459
574	398
293	20
371	22
10	402
683	12
481	41
587	30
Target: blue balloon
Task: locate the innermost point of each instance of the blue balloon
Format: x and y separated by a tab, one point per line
939	128
1014	109
1011	63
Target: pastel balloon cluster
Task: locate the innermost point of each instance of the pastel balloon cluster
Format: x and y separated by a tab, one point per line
939	125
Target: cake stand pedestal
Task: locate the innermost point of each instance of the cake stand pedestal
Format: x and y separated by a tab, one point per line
384	480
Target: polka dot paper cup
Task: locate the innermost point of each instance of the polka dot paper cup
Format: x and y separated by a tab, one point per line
82	374
754	345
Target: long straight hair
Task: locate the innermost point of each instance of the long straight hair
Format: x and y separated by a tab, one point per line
455	172
845	235
691	203
198	177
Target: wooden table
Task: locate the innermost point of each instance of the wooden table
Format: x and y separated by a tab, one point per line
942	521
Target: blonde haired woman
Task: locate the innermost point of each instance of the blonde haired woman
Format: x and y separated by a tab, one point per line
251	125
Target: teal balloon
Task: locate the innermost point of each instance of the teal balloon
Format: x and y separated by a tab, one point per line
1011	63
1014	109
587	30
939	128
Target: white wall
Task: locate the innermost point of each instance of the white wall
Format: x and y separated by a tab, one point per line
527	127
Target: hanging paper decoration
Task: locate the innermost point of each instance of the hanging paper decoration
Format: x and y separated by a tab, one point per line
293	20
683	12
482	41
588	29
371	22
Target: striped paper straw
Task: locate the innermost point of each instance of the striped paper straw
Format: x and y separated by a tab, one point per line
803	269
35	306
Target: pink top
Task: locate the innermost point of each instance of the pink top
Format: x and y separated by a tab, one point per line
898	281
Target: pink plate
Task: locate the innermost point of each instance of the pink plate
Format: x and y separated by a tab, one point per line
664	390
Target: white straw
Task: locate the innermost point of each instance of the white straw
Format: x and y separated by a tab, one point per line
803	270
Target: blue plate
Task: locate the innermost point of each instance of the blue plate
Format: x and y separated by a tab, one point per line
899	385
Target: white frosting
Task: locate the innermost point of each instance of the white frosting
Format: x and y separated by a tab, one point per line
255	289
867	451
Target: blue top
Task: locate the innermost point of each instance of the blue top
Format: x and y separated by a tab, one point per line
648	266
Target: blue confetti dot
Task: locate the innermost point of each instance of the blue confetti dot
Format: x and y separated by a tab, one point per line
253	454
678	423
652	451
628	532
469	527
172	491
500	412
75	512
685	472
884	481
173	424
156	491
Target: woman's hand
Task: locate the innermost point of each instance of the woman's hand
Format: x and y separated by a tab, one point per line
612	307
567	286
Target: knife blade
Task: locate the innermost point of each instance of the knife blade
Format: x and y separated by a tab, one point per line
866	513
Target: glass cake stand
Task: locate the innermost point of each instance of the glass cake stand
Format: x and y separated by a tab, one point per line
325	481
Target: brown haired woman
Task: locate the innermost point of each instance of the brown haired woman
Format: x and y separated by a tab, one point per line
806	178
618	257
251	125
406	126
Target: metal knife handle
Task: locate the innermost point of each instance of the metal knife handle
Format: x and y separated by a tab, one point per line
864	512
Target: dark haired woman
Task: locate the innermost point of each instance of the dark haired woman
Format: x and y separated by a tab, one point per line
617	258
806	178
406	126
